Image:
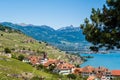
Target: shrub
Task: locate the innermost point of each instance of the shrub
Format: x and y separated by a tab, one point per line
21	57
1	34
71	76
39	67
7	50
14	56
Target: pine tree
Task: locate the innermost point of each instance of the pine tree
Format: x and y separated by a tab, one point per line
103	28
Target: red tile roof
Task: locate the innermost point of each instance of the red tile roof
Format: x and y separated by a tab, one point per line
77	70
102	69
34	59
65	66
88	69
115	72
50	61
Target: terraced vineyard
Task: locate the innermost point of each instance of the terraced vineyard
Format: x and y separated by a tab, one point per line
19	43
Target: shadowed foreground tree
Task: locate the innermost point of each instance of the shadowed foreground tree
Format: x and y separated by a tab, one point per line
103	30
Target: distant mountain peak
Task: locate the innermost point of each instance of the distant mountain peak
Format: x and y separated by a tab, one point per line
70	28
67	27
24	24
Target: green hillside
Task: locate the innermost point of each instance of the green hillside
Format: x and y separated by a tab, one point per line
18	42
10	67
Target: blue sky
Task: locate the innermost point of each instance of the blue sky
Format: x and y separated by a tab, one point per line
54	13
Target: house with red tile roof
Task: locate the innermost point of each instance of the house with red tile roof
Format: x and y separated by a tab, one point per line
90	71
77	71
44	59
115	73
64	68
102	71
87	71
50	62
34	60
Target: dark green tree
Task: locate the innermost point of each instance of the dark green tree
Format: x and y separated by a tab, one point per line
71	76
21	57
39	67
103	29
1	34
52	67
7	50
77	65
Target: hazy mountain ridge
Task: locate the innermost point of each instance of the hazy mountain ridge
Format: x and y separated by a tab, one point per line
65	38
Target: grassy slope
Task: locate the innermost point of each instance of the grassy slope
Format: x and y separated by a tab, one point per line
13	66
15	40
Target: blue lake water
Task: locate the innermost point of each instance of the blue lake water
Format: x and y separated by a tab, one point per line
110	61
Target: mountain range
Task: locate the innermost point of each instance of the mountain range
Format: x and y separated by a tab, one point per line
68	38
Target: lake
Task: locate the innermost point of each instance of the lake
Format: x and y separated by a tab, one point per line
110	60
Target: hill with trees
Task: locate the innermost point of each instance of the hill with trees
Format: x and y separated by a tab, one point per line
19	46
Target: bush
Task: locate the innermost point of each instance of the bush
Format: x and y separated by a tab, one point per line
1	34
52	67
77	65
7	50
14	56
39	67
71	76
21	57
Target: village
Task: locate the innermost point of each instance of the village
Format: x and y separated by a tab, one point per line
61	67
65	68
